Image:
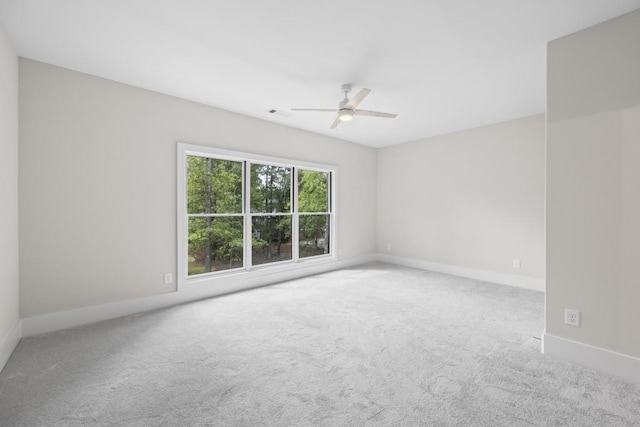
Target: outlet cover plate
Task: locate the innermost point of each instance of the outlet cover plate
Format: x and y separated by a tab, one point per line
572	317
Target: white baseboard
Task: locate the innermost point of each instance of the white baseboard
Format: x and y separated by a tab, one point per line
9	343
620	365
86	315
525	282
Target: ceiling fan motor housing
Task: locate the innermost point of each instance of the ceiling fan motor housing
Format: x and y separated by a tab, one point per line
345	114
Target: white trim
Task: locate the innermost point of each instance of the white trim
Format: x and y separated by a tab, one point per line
237	274
247	254
525	282
181	216
295	217
82	316
197	150
9	343
620	365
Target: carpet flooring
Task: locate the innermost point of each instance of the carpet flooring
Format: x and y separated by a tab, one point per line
376	345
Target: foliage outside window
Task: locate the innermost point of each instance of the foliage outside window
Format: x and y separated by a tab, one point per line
242	214
271	215
313	207
214	208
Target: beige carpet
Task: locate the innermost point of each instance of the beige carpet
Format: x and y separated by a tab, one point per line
376	345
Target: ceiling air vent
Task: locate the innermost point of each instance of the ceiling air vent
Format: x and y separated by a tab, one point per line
280	113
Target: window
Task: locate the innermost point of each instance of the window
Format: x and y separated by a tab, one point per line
271	214
314	215
239	212
214	214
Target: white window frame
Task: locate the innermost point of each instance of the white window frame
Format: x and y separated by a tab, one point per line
184	281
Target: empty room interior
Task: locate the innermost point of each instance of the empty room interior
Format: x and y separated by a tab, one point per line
319	213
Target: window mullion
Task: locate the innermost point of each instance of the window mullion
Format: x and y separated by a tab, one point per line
330	193
246	188
295	235
333	248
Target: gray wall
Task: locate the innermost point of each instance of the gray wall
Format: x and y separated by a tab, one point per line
9	291
98	184
593	181
472	199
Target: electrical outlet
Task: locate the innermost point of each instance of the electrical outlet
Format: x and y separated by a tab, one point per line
168	278
572	317
516	264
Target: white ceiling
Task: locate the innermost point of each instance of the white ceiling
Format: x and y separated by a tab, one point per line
442	65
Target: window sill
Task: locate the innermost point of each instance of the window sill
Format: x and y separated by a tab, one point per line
253	275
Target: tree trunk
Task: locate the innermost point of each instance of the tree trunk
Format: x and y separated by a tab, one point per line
279	243
326	235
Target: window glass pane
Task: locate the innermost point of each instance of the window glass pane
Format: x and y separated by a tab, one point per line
270	189
313	195
271	239
314	235
215	244
213	185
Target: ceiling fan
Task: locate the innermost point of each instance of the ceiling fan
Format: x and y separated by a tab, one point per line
347	107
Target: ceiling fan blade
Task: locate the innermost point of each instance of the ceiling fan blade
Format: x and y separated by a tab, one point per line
357	99
374	114
322	110
336	122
